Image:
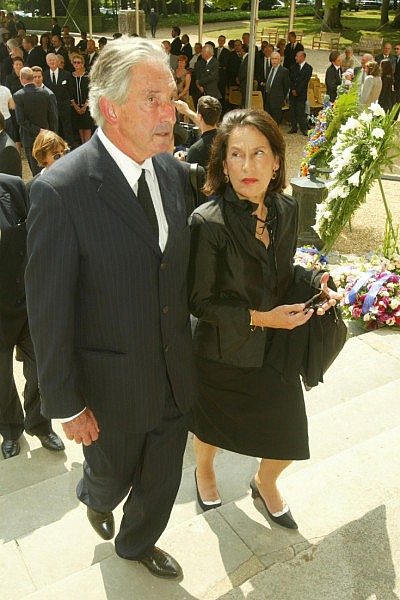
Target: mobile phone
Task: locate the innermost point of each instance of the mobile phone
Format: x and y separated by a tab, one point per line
316	300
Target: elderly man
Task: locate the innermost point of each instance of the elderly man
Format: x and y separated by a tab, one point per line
34	110
106	287
60	82
207	73
277	86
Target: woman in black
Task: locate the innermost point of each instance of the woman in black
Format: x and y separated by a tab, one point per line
81	117
241	269
386	97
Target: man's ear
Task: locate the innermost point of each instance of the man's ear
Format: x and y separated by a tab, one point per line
108	110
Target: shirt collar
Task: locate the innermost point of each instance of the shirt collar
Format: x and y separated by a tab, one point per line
130	168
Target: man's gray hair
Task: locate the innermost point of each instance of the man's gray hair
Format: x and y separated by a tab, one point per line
26	74
111	76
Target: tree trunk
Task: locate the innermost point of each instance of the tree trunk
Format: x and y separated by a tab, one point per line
384	12
331	18
318	7
162	8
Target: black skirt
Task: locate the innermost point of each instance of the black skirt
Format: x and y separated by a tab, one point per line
251	411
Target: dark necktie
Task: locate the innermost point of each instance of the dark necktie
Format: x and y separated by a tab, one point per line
269	81
144	197
53	77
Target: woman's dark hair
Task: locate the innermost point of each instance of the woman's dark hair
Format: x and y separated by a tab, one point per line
241	117
334	55
386	67
45	36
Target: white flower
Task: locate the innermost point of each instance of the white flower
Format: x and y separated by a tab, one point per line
374	152
367	317
347	152
350	124
355	179
394	303
366	117
378	132
377	110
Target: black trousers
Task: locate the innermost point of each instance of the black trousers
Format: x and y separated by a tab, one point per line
12	418
275	112
297	109
147	467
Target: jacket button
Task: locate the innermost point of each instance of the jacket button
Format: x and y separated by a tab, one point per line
166	348
165	309
163	266
18	280
21	253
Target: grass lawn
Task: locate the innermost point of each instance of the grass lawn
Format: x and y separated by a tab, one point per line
354	25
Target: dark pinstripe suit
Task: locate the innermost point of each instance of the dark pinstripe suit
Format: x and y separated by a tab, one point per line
110	324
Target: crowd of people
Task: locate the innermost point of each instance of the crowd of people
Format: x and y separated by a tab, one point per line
118	256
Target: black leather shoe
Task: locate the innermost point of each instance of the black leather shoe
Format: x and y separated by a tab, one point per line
10	448
285	520
205	504
51	441
102	523
162	564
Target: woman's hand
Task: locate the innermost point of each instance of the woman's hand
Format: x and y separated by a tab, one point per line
332	297
287	316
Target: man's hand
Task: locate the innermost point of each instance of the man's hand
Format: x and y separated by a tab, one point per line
83	429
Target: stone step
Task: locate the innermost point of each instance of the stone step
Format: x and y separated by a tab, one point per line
365	363
348	499
359	561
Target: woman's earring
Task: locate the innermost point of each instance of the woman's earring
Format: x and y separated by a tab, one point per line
273	176
226	178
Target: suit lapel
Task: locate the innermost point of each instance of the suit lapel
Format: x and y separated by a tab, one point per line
114	190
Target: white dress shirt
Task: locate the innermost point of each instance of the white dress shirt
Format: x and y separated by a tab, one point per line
131	170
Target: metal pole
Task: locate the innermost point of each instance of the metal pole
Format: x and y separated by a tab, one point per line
90	21
53	8
137	16
201	12
252	52
291	14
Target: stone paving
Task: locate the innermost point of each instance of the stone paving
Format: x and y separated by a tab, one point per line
346	500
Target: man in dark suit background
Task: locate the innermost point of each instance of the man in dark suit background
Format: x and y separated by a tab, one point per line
235	60
10	159
242	74
396	75
35	56
291	49
300	75
207	73
106	285
58	48
262	66
276	88
222	55
176	43
14	329
91	54
60	82
387	52
34	111
333	75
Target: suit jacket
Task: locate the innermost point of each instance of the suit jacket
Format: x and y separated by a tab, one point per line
299	79
90	60
13	211
207	75
176	46
10	159
233	67
34	110
261	73
108	312
290	53
63	89
332	80
187	50
242	77
228	275
199	152
36	58
67	63
279	88
379	58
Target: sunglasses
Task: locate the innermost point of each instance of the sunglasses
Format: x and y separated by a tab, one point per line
60	154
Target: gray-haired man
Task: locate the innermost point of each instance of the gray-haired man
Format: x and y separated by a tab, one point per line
108	253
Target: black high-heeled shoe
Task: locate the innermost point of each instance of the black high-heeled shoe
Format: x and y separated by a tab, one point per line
205	504
285	520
